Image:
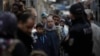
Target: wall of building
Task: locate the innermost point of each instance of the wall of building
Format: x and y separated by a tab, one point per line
41	7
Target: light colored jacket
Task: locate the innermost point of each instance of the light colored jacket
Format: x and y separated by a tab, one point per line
66	30
96	39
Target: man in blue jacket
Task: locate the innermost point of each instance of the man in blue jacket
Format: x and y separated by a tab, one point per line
52	34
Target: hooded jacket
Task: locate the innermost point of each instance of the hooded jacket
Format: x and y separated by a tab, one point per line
52	34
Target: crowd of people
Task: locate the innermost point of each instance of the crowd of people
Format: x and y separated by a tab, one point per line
21	35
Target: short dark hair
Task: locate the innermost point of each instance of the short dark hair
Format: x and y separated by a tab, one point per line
78	11
44	17
39	25
24	16
56	16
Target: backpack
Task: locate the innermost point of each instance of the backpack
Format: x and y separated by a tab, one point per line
7	46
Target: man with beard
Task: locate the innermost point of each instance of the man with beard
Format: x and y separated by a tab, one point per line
56	19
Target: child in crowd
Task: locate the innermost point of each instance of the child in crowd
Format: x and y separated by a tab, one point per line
40	40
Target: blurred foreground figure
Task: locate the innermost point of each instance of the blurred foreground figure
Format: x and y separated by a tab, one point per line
38	53
18	8
33	12
80	33
25	25
96	32
9	45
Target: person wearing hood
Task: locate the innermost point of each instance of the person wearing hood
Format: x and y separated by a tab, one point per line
52	34
9	44
44	18
80	32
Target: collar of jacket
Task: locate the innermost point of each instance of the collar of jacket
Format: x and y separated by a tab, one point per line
78	20
25	38
50	29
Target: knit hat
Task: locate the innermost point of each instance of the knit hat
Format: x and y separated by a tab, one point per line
8	23
77	9
39	25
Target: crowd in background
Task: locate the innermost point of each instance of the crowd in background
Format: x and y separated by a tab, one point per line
74	35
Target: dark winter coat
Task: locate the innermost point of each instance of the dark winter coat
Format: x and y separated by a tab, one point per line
26	39
80	39
18	50
81	33
42	42
54	38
